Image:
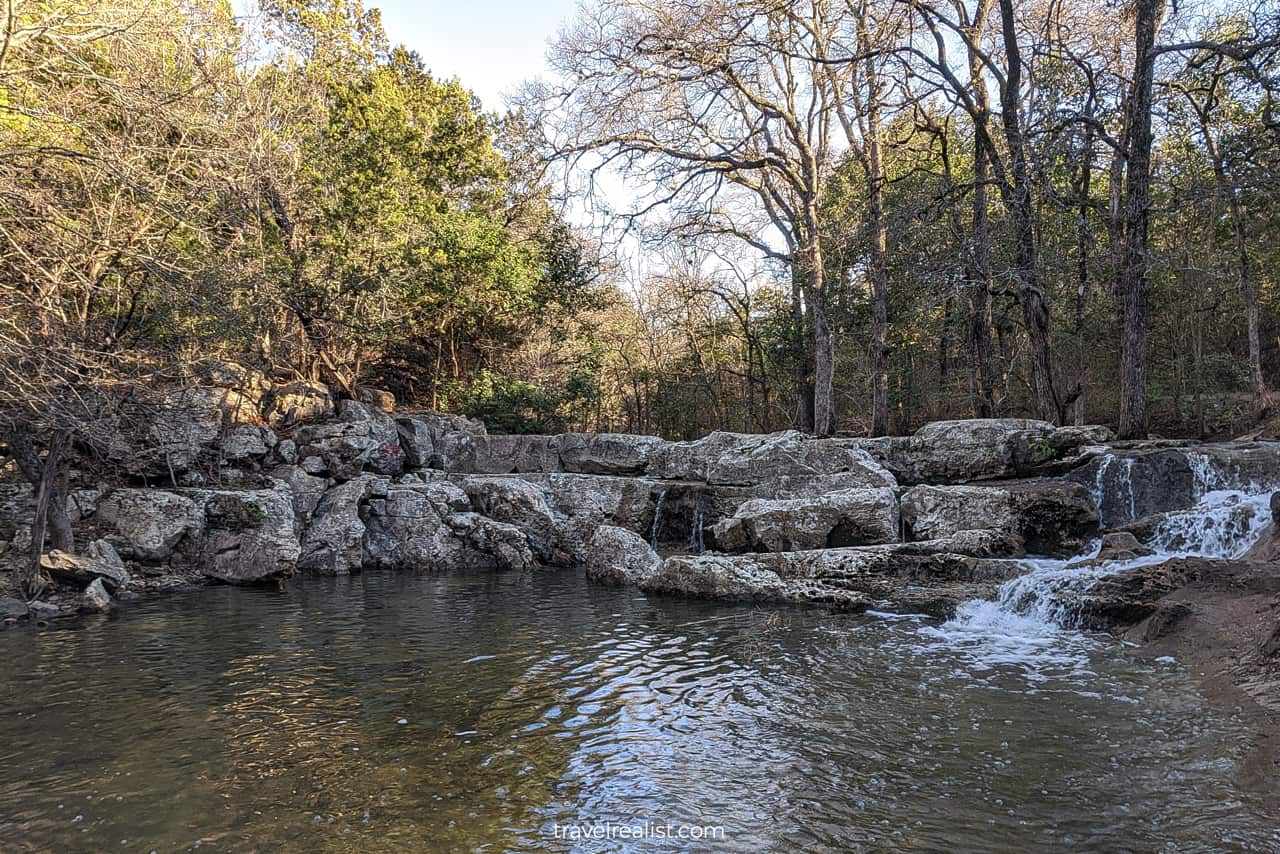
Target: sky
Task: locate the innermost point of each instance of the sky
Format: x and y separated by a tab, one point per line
490	45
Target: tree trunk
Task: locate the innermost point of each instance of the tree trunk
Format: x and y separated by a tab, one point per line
49	521
1249	289
979	279
879	278
801	310
1082	273
1035	308
1134	284
823	347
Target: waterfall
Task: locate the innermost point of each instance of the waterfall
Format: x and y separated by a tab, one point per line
1125	477
1223	523
657	518
695	528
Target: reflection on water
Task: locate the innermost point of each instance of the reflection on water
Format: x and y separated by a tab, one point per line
401	713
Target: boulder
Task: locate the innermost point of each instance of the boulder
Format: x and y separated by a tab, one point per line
299	401
433	440
249	536
246	441
956	451
492	544
850	517
361	439
518	502
620	556
1121	545
96	599
740	459
100	562
149	523
852	578
407	528
334	542
605	453
376	398
507	454
1052	517
250	382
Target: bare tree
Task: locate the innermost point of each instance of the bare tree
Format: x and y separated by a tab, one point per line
726	111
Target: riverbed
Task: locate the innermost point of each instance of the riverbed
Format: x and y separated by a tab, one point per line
504	712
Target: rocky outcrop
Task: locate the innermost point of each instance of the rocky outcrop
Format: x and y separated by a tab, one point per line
523	504
620	556
1131	595
248	536
445	442
362	439
148	524
605	453
334	542
849	517
1052	517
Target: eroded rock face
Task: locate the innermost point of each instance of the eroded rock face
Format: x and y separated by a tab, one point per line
149	523
740	459
1132	484
246	442
605	453
620	556
446	442
407	529
249	536
333	543
363	439
851	517
523	504
515	454
1052	517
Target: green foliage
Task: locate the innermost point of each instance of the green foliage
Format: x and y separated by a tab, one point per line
508	405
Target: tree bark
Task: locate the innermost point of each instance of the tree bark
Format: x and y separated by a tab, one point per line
823	347
1134	284
1082	273
879	277
979	278
49	521
1035	308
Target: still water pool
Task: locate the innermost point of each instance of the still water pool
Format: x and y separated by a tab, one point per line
504	713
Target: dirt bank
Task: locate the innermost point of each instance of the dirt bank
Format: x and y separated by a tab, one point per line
1225	626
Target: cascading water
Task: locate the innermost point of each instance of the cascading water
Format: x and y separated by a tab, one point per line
1123	466
657	519
1028	617
695	529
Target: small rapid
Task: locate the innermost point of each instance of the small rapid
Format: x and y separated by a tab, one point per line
1033	617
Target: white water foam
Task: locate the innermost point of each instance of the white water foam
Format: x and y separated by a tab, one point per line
1030	621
